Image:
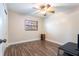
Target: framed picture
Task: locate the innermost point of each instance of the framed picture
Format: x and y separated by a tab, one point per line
31	25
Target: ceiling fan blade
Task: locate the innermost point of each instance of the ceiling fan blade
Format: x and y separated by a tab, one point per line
36	12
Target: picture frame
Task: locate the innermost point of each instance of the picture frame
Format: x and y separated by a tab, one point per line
31	25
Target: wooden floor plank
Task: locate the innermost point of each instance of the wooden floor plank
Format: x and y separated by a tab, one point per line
34	48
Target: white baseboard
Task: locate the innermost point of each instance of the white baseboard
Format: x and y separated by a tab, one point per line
55	41
21	42
34	40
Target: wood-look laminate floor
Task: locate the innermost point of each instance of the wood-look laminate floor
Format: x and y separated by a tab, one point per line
34	48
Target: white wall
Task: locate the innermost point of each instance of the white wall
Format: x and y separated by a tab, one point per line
17	34
62	27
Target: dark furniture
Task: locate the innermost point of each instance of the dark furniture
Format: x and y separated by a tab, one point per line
69	49
42	36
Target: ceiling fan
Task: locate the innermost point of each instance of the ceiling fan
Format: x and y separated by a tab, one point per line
44	9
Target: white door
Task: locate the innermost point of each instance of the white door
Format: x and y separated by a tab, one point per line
3	28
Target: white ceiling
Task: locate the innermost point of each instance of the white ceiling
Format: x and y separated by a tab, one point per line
27	8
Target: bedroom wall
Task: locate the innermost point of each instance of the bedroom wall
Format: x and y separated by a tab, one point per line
17	34
62	27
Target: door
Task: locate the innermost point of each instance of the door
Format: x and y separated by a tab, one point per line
3	29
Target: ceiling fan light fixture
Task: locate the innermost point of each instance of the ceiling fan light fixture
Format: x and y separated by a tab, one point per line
47	5
51	10
42	7
46	8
